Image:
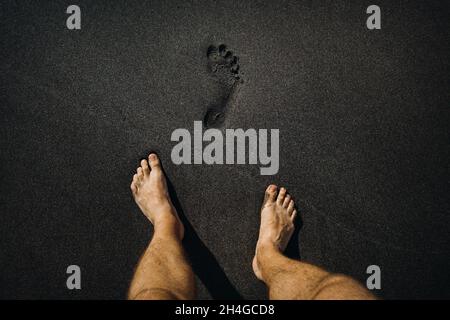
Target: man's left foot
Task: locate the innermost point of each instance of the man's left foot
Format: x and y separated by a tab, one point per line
149	188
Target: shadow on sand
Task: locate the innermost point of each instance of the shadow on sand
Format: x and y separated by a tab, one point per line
204	263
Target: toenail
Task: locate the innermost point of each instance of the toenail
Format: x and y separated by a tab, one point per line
152	156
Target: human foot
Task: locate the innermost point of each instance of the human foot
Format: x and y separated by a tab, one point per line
149	188
277	224
224	67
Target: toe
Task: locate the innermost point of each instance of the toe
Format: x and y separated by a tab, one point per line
145	168
154	162
271	194
133	187
222	49
286	201
229	56
212	50
134	183
140	173
293	215
291	206
281	196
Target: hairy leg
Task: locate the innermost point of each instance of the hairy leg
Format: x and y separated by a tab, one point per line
287	278
163	271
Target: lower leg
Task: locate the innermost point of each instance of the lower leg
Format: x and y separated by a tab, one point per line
287	278
291	279
163	271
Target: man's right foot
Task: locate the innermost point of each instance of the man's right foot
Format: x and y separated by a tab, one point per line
277	224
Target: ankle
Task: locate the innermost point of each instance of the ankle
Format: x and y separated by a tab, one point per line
266	249
166	215
267	259
168	227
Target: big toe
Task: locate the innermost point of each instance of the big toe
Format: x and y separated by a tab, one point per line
271	194
154	162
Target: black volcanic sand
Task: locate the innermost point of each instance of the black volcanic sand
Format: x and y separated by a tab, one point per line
363	119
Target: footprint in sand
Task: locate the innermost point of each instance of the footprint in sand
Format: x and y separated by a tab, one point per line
224	68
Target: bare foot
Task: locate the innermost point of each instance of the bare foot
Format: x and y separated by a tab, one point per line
149	190
277	223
